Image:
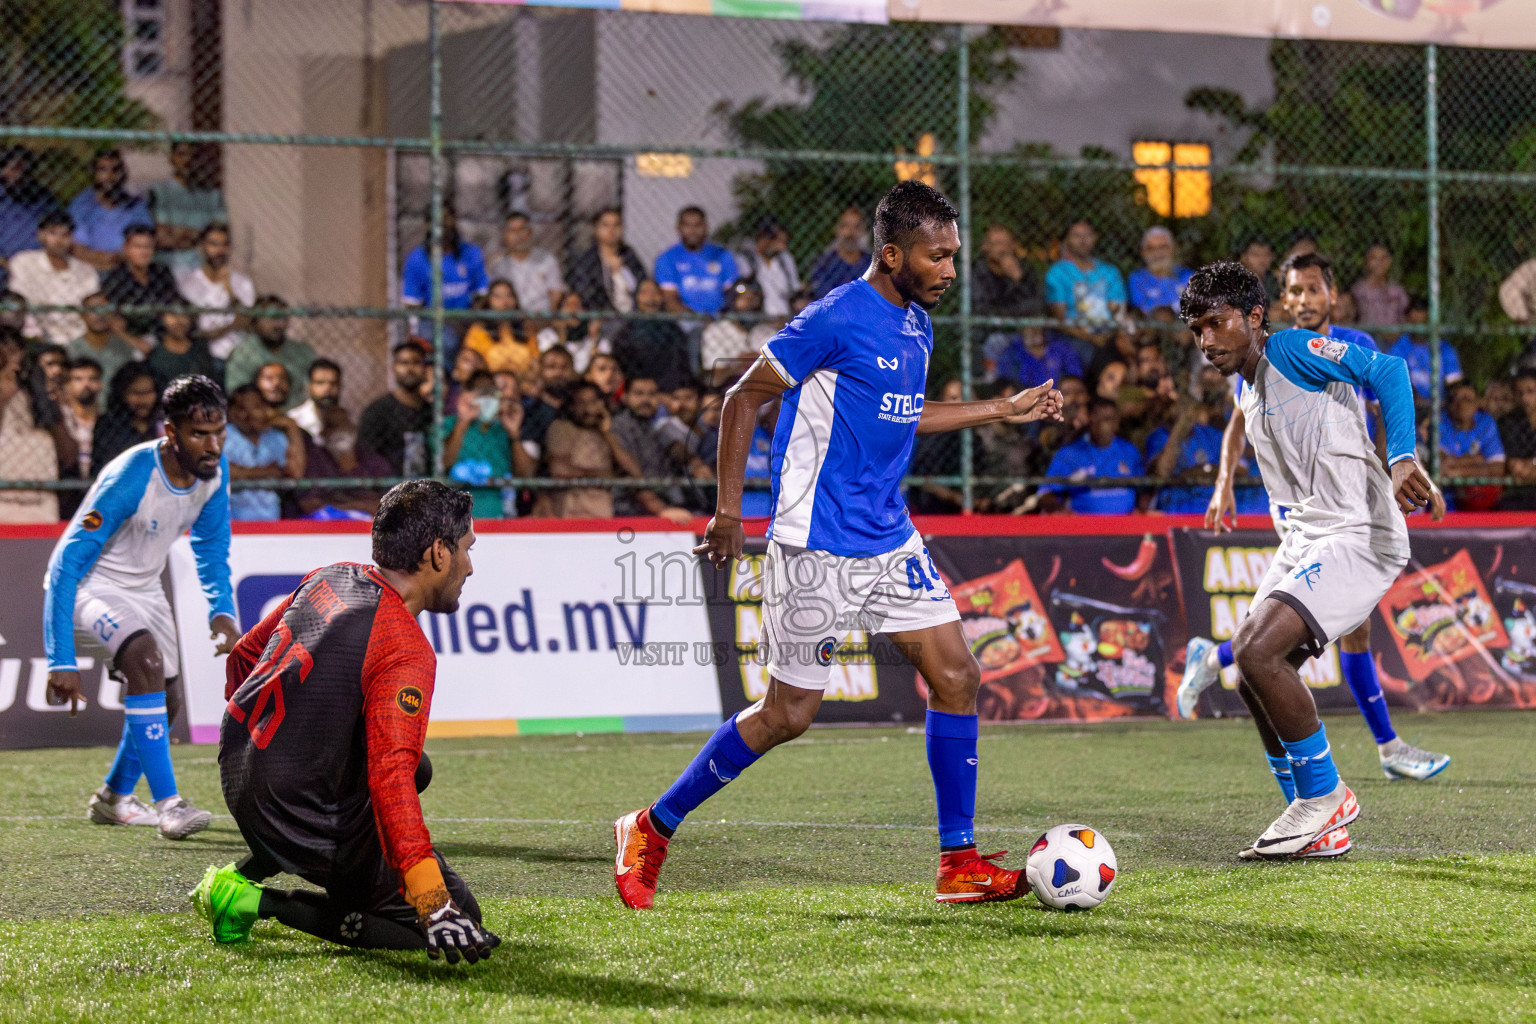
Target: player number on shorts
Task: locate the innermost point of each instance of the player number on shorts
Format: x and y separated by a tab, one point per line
919	578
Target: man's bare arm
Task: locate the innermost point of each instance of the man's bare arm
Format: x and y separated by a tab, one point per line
1037	403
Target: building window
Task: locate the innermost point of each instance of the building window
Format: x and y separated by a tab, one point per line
144	38
1176	175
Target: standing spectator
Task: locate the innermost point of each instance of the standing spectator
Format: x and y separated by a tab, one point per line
582	444
215	285
635	427
607	275
498	341
28	450
50	276
694	273
258	449
1259	256
482	442
270	344
139	281
1032	358
1413	349
1378	299
1160	281
557	372
186	203
23	201
1100	453
770	263
1085	292
100	342
395	425
534	272
1517	293
653	348
846	259
104	212
1470	446
1517	432
179	353
464	274
324	394
132	416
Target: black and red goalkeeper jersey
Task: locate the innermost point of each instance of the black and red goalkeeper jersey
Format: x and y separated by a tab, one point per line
328	703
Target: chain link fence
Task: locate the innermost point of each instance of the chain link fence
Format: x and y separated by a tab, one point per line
324	158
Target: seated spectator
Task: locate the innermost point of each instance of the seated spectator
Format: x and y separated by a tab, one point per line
938	455
1114	376
582	338
1160	281
728	347
104	212
1378	299
23	201
695	272
653	348
682	431
582	444
132	416
557	372
214	284
770	263
138	280
81	408
100	342
1517	293
275	385
1101	453
466	363
270	344
1002	282
324	393
1413	349
1259	256
179	353
1470	446
1056	434
503	344
397	423
1499	398
607	275
14	313
331	451
463	274
28	446
1084	291
186	203
50	276
1517	432
1032	358
604	371
635	427
262	446
1122	348
481	444
534	272
53	363
846	259
1191	450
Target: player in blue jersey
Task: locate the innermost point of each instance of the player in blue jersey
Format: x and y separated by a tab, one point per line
1308	295
1345	539
103	591
851	369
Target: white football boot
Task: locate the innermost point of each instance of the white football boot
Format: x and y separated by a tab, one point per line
1201	669
1305	821
179	819
109	808
1402	760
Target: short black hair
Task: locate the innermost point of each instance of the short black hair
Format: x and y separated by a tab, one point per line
54	219
1253	240
1451	389
1100	402
104	153
685	211
559	350
243	390
409	343
269	299
138	229
213	227
85	363
605	211
517	215
1525	375
325	364
413	516
192	396
909	207
1305	260
479	377
1225	283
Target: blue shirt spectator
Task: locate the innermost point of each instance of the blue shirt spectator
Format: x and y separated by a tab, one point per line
105	210
1161	281
1202	447
1479	440
23	201
463	271
694	273
1414	351
1031	359
1099	453
1080	289
253	443
846	259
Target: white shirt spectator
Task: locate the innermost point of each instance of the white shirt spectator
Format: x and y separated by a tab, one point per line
777	277
307	416
533	278
197	289
34	278
1518	293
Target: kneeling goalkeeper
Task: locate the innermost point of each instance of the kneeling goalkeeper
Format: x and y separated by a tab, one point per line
320	748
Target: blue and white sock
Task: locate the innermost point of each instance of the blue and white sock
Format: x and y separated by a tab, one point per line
126	771
724	757
1224	654
952	760
1312	765
151	731
1281	766
1360	673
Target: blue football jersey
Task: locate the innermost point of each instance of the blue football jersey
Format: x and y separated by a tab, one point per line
857	367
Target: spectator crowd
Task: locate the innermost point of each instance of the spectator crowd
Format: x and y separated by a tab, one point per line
559	381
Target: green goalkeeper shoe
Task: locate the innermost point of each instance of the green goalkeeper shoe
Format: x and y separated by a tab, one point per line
228	901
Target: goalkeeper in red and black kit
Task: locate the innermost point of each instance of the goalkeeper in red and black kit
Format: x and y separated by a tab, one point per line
320	751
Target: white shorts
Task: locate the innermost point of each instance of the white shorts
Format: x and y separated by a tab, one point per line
1332	582
107	614
811	599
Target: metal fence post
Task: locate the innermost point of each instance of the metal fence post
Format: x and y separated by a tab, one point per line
963	144
1432	205
435	230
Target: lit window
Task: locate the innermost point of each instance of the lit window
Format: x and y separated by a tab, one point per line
664	165
1176	176
921	170
143	38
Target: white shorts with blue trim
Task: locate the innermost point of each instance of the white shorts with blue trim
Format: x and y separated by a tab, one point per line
107	614
1332	582
813	599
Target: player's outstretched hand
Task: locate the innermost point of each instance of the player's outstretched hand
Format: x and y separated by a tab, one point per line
64	688
1436	503
454	934
1223	504
723	539
1037	403
226	633
1412	486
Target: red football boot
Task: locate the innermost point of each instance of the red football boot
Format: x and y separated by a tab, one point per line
968	877
641	849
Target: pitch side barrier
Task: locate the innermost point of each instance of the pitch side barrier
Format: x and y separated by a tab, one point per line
615	625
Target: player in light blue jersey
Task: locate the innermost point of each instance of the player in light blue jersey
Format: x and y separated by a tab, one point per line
1345	541
103	591
843	556
1309	293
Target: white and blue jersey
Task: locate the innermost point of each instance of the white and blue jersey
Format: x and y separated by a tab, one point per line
122	535
857	367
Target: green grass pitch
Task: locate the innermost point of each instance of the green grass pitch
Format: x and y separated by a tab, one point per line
804	891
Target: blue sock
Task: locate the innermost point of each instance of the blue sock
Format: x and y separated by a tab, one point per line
1360	673
124	774
1312	765
1224	654
151	732
952	760
724	757
1281	766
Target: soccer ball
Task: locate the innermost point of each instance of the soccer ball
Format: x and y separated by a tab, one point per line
1071	867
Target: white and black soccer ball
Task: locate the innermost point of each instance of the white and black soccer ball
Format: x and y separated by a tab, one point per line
1071	867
